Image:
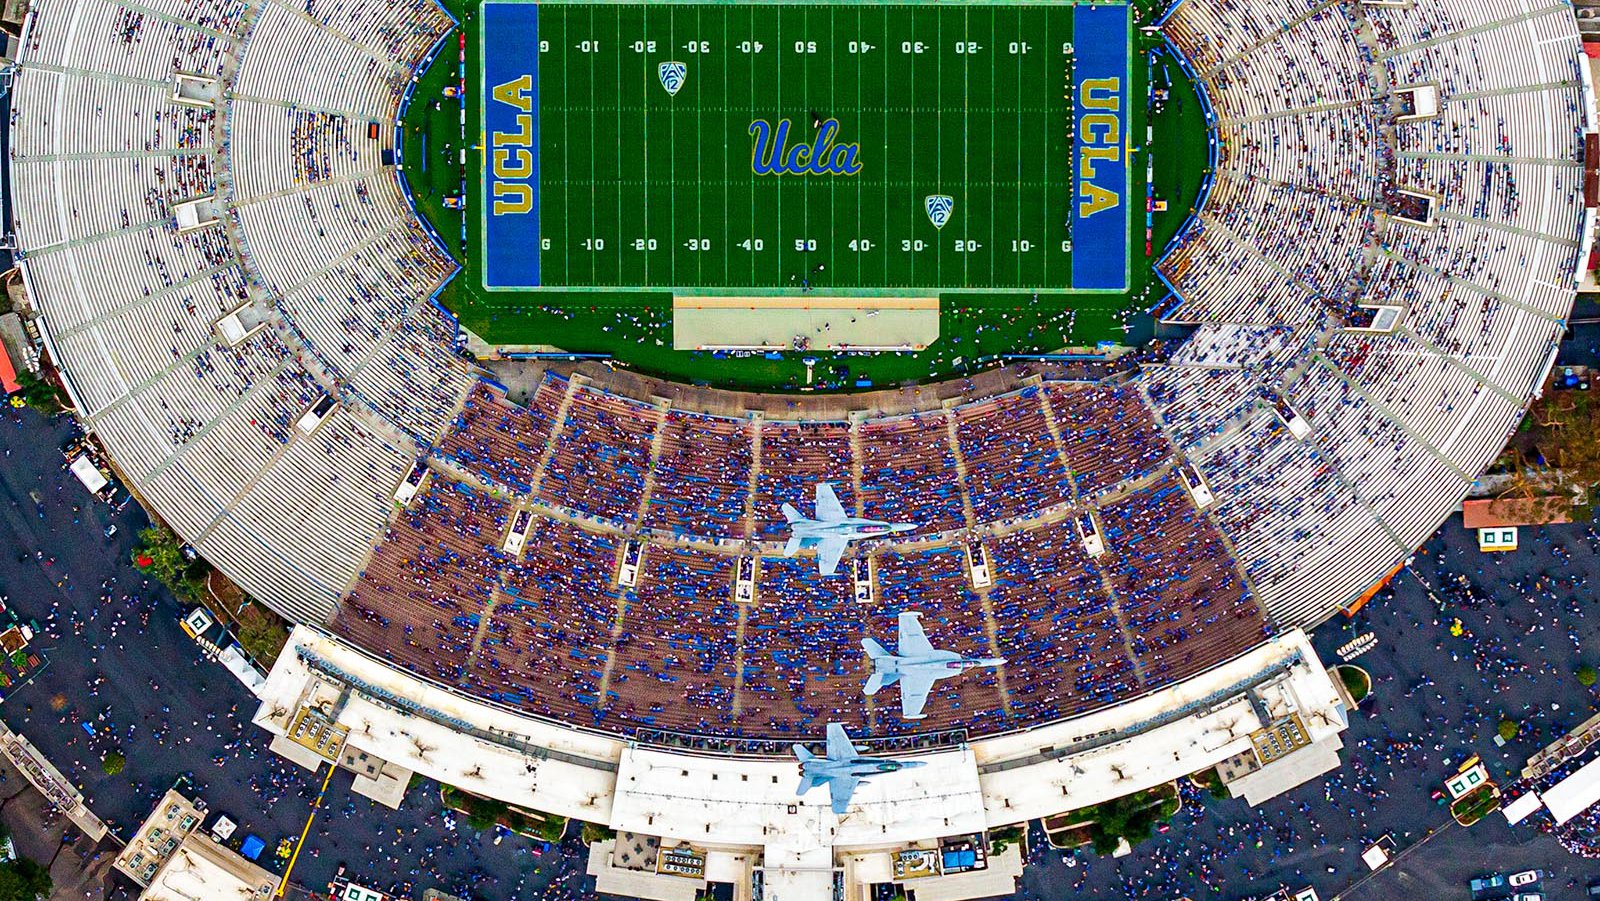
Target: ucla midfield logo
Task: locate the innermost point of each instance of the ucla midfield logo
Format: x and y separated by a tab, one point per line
773	154
673	75
940	208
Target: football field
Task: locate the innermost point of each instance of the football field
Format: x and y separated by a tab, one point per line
861	149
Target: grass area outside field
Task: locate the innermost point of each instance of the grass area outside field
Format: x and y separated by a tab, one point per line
1356	681
636	327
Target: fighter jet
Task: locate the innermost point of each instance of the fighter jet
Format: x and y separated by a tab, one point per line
832	529
917	665
842	768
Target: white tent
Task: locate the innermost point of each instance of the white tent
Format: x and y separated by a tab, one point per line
1574	794
1521	808
89	474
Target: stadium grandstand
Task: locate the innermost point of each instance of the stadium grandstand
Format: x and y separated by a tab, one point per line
588	588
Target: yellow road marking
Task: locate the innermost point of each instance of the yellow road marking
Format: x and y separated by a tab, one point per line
315	806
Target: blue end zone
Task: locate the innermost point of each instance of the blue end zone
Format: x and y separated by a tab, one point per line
510	42
1100	85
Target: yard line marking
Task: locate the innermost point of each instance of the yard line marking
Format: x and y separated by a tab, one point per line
566	161
966	139
620	157
832	106
887	41
672	157
727	220
1049	43
861	198
594	187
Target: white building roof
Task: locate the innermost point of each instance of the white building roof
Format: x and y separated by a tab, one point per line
1021	784
753	803
999	878
201	868
1574	794
558	783
738	803
1293	769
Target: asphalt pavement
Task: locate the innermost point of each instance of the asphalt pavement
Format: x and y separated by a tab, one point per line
119	661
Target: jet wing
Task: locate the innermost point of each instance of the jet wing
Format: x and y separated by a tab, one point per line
913	641
839	745
840	788
828	507
914	688
828	552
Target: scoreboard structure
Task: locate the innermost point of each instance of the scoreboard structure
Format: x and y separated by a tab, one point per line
744	149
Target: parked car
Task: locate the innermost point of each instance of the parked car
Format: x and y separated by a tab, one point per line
1527	896
1526	877
1490	883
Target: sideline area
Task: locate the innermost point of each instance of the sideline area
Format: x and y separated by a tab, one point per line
804	323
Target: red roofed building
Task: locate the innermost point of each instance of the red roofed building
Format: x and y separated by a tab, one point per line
1497	520
8	373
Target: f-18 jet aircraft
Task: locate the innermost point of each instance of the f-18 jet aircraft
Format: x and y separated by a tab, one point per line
831	530
916	665
842	768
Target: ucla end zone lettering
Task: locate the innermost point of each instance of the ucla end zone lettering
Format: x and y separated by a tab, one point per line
1100	84
511	145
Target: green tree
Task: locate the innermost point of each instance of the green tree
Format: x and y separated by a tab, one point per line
1133	817
160	554
39	394
481	819
24	880
1212	780
1509	729
113	763
263	636
1587	676
1001	839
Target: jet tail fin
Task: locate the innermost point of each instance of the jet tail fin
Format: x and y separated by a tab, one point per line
791	514
873	649
793	545
807	781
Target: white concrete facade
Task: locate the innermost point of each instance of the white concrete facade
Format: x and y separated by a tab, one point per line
726	803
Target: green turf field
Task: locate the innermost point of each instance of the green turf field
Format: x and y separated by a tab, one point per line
977	324
888	105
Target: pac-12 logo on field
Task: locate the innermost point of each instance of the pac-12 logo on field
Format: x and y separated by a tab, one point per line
940	208
672	75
